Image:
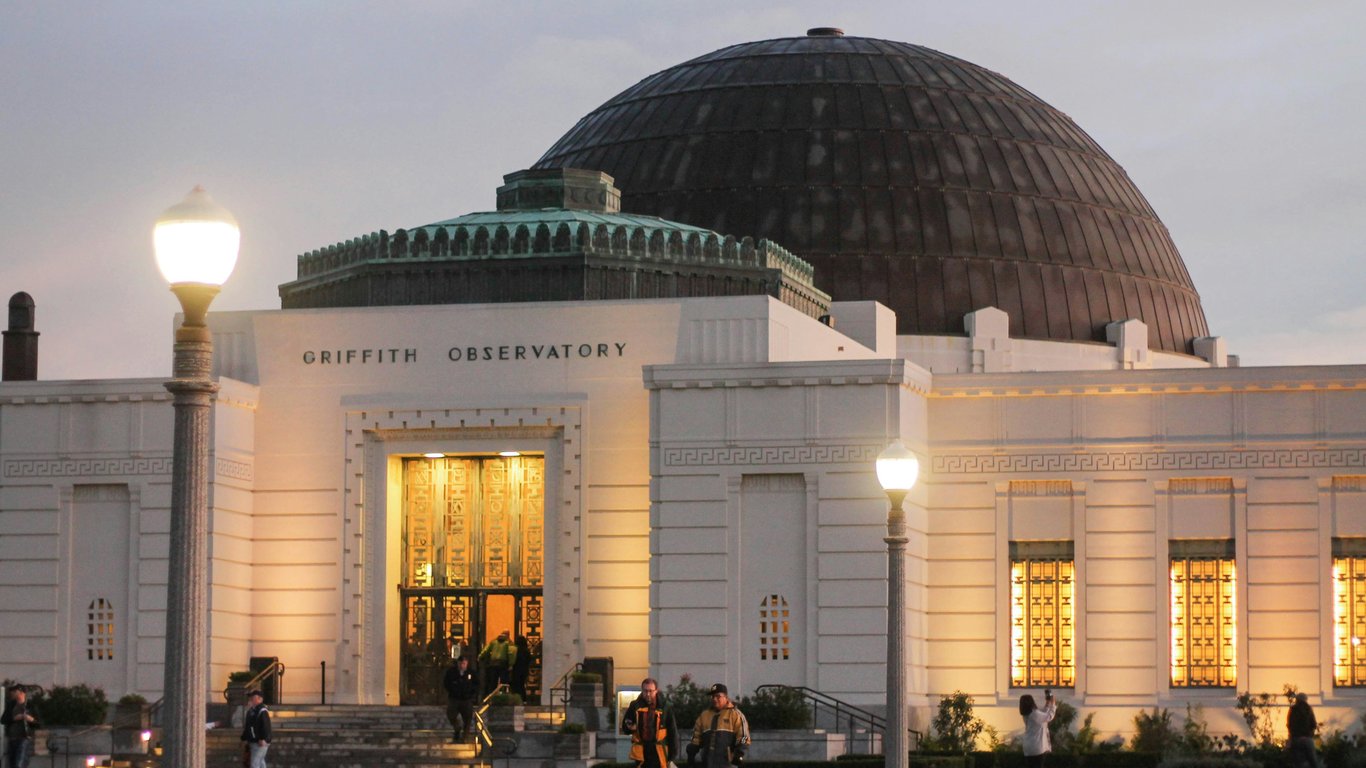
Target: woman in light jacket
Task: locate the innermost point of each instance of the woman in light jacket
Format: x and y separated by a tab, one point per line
1036	743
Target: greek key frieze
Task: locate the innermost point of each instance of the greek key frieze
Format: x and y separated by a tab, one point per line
774	454
21	468
1143	461
236	470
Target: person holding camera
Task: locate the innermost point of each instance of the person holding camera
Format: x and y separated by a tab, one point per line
19	726
721	734
1036	742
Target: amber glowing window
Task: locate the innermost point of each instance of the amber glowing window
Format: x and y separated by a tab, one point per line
99	630
775	629
1349	613
1204	614
1042	594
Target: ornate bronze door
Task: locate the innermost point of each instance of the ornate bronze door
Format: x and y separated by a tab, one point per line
473	541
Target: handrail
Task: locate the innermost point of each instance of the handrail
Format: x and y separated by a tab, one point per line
562	686
482	736
255	681
843	711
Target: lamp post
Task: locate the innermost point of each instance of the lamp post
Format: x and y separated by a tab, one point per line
897	468
196	247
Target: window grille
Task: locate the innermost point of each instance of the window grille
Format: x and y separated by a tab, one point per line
775	629
1349	617
99	630
1042	595
1204	624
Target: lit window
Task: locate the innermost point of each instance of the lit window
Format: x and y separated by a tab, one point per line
1042	594
1204	615
1349	612
99	630
775	629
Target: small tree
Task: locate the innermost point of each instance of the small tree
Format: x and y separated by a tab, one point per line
71	705
1259	712
1195	738
776	709
956	730
688	701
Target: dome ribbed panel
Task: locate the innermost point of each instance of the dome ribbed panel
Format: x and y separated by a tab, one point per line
903	175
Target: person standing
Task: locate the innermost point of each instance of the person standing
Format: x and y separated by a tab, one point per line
256	729
1302	726
521	666
652	728
720	736
1036	742
19	726
496	661
462	688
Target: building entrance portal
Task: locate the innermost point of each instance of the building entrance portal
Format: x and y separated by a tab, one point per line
473	551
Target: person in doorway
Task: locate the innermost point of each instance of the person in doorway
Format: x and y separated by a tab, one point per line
462	688
650	724
496	660
1302	726
521	666
19	724
721	735
256	729
1036	742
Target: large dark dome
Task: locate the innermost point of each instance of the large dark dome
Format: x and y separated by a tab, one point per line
903	175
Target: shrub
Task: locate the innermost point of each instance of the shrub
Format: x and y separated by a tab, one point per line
1155	732
688	701
775	709
1195	738
240	676
1258	712
572	728
71	705
955	728
130	700
505	699
585	677
1192	761
1060	733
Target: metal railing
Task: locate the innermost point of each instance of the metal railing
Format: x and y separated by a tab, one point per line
117	723
848	718
483	738
256	680
561	687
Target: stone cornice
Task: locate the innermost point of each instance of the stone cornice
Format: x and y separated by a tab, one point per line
1161	381
1140	460
788	374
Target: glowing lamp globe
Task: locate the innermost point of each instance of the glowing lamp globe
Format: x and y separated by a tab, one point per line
196	241
897	468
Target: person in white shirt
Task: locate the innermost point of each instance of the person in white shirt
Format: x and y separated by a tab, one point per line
1036	742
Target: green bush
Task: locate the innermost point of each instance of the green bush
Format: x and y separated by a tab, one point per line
572	728
585	677
688	701
71	705
240	676
130	700
1155	732
776	709
505	700
1259	712
1193	761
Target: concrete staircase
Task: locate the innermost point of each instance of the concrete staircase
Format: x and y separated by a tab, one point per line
349	736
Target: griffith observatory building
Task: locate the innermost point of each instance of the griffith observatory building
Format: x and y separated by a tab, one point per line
633	411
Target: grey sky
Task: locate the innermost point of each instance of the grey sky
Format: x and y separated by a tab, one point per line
315	122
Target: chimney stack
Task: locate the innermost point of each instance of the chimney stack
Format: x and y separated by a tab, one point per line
21	341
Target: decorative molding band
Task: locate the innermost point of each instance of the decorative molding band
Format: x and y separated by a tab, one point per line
468	433
1349	483
775	454
1195	486
1140	461
236	470
788	483
1020	488
17	468
100	492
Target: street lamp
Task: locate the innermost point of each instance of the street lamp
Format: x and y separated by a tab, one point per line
897	468
196	247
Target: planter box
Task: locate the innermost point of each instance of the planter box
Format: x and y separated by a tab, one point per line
575	746
585	694
800	745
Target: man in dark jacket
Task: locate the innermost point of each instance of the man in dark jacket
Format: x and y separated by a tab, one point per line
256	729
19	726
462	688
1302	726
650	724
721	734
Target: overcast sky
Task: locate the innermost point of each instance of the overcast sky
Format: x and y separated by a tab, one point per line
314	122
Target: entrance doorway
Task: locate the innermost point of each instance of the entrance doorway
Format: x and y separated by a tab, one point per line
473	551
